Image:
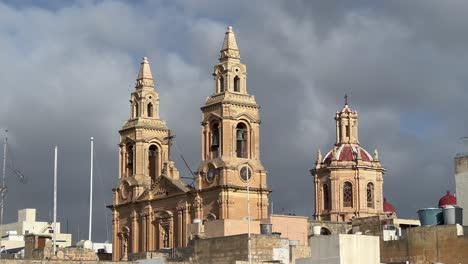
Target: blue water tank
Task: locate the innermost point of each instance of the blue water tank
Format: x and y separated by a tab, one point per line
431	216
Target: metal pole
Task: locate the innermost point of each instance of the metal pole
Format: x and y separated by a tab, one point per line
2	203
91	191
55	202
248	215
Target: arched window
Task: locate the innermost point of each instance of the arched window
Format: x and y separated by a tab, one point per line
153	162
236	84
347	194
326	197
221	84
129	160
370	195
241	140
215	140
150	110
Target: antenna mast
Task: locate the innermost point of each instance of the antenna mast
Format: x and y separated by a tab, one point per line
55	203
91	191
3	190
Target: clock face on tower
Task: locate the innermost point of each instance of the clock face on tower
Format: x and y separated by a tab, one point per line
210	174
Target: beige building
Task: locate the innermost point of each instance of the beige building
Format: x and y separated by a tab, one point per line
153	207
348	180
13	233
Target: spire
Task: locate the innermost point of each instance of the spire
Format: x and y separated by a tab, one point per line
229	49
145	78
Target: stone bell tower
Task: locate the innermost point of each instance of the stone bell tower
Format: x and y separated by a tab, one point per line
144	146
230	143
348	180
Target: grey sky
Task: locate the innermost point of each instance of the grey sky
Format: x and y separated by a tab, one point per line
67	70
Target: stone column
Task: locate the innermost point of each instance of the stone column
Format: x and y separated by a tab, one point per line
179	227
115	227
135	232
149	235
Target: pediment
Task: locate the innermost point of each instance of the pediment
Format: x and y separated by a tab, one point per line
164	187
210	117
247	116
127	140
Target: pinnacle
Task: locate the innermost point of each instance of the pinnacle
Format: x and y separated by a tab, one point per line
230	49
145	78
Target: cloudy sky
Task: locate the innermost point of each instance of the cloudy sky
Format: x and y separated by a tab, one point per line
67	70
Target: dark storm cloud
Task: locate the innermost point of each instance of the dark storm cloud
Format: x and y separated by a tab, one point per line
67	71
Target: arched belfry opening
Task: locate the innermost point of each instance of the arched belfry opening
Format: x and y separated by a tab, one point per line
153	162
237	84
220	84
241	140
129	164
215	140
150	110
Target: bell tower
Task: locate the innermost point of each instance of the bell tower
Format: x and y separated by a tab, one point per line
230	143
144	146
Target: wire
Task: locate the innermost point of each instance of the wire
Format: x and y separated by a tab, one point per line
193	178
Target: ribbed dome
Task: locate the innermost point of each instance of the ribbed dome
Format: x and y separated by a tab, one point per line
388	207
348	152
447	199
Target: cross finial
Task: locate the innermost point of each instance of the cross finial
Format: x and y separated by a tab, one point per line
346	99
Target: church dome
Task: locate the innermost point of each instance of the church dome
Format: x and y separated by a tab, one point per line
348	152
388	207
447	199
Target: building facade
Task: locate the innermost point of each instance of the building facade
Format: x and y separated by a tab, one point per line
152	206
348	181
13	233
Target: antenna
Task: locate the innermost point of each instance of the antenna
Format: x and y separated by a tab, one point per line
3	190
91	191
55	202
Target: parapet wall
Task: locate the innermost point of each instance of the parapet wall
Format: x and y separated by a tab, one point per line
445	244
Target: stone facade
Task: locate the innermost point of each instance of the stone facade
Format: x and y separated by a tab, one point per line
348	181
152	206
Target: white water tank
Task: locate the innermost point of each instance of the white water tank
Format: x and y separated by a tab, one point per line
197	221
85	244
316	230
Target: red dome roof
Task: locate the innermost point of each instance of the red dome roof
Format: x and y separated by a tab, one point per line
447	199
388	207
347	152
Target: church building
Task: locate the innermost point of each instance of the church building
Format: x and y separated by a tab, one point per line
348	181
152	207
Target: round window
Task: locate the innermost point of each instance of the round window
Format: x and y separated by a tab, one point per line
245	173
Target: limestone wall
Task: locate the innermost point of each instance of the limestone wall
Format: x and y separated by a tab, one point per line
444	244
228	250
